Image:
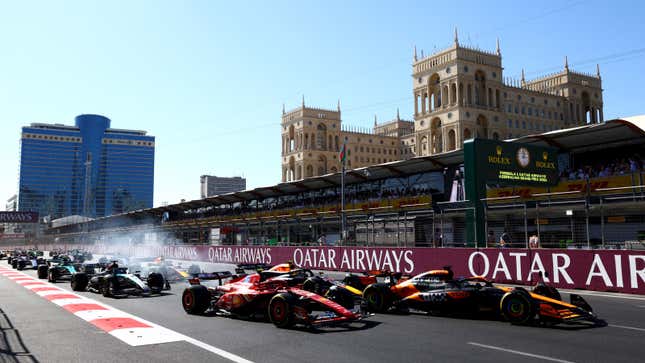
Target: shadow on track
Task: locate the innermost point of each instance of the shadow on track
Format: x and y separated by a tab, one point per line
263	319
570	326
12	347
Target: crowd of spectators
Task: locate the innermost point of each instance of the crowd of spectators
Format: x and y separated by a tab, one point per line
605	168
310	199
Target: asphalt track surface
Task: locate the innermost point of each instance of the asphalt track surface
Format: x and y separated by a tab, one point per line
36	330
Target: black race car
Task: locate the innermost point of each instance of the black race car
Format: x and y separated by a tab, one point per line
116	281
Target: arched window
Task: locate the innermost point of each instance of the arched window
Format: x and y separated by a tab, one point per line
292	139
437	141
467	134
451	140
453	94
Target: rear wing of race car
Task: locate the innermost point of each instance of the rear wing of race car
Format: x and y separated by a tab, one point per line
219	276
241	268
92	268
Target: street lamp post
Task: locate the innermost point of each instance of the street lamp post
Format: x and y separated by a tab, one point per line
343	222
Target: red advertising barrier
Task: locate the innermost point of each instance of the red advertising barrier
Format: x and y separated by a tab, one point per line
601	270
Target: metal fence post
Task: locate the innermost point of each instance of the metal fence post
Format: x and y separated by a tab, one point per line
602	224
587	221
526	228
441	226
485	222
537	220
405	227
475	225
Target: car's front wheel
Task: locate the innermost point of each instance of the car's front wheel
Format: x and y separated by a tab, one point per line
518	307
281	310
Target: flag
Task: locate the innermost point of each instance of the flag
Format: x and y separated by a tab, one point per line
344	154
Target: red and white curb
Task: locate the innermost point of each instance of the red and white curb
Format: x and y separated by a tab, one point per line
126	327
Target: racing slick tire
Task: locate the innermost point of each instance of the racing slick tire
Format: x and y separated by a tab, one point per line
42	271
316	285
14	263
341	296
107	287
52	275
195	299
378	298
79	281
21	265
281	310
9	260
155	282
518	307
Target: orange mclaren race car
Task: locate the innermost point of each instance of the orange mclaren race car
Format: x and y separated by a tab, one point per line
276	294
437	292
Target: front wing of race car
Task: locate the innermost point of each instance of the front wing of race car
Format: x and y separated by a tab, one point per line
334	314
561	312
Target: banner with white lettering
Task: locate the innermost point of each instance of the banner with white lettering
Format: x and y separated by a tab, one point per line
601	270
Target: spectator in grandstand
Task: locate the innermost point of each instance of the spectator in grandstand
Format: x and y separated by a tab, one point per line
437	239
504	240
322	241
490	240
534	241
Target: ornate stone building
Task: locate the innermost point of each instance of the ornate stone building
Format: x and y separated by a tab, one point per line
459	93
312	138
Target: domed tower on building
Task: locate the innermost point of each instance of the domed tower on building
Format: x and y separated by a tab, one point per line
461	93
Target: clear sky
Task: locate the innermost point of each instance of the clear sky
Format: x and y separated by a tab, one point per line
208	78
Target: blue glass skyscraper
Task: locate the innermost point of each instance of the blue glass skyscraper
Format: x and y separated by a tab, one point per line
88	169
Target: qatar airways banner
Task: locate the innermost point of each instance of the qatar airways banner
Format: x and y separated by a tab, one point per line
601	270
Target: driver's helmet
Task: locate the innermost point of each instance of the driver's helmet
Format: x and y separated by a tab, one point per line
283	267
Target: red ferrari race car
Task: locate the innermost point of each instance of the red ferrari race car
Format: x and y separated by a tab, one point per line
274	294
437	292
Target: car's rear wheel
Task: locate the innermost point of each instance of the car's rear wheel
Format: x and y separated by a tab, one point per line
195	299
155	282
107	288
341	296
517	307
42	271
52	276
79	281
377	298
313	284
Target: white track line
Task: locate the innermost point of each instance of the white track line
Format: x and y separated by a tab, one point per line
520	353
626	327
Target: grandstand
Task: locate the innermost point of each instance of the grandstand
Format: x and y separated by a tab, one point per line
599	202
